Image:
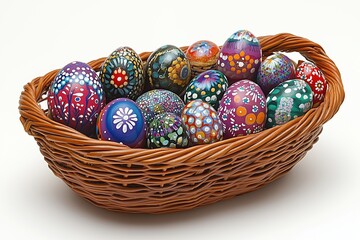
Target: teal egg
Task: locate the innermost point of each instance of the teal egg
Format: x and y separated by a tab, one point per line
289	100
208	86
167	130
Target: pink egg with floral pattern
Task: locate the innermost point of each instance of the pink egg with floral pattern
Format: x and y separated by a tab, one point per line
310	73
242	109
76	97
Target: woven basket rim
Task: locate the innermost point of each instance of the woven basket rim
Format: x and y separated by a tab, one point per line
34	118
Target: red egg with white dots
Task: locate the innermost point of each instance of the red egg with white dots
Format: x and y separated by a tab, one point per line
310	73
76	97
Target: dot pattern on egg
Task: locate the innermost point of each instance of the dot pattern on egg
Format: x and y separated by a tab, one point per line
310	73
167	130
240	57
202	122
159	101
76	97
208	86
275	69
122	74
287	101
168	68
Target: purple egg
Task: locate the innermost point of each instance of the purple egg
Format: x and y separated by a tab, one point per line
76	97
274	70
242	109
240	57
122	121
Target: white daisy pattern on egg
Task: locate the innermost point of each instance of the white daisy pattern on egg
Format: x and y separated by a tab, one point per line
125	119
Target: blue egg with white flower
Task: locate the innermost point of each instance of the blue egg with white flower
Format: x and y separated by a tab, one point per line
122	121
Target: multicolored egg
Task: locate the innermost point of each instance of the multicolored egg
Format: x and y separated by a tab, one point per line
289	100
202	56
275	69
122	74
202	122
240	57
168	68
208	86
242	109
122	121
76	97
310	73
167	130
159	101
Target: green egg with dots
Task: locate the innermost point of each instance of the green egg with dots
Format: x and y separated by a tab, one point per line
208	86
289	100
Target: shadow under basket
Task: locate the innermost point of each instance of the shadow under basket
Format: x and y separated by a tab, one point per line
119	178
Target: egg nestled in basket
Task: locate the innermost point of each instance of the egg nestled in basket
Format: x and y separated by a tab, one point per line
240	57
159	101
122	121
202	56
168	68
167	130
310	73
208	86
242	109
275	69
289	100
122	74
76	97
202	122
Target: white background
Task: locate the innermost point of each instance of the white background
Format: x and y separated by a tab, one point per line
318	199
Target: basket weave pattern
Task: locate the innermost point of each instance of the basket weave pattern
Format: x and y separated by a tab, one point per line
119	178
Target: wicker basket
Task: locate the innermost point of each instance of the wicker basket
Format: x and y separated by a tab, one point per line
119	178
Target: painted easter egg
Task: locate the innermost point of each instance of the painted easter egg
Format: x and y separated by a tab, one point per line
76	97
202	122
159	101
208	86
275	69
242	109
289	100
310	73
122	121
240	57
167	130
122	74
168	68
202	56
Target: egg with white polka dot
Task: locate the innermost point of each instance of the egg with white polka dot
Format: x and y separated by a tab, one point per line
208	86
202	122
76	97
289	100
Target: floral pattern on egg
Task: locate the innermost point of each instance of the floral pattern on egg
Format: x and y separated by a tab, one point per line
122	74
202	122
122	121
208	86
168	68
243	109
310	73
289	100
